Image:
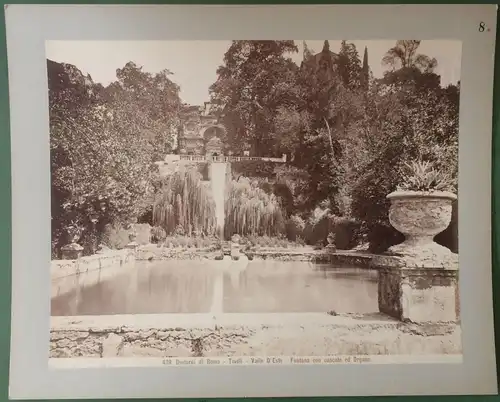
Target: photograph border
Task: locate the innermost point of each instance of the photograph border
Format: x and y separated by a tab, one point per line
29	26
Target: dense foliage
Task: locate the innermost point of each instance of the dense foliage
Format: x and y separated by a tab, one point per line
104	142
350	139
348	136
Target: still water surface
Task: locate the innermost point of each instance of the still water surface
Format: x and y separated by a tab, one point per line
202	287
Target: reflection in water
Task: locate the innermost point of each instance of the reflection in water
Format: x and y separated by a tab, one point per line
276	286
200	287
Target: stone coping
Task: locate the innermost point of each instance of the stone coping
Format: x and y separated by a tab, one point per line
278	254
447	263
198	335
203	320
180	322
110	260
427	272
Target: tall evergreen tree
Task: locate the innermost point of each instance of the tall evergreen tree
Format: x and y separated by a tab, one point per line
307	53
350	68
365	70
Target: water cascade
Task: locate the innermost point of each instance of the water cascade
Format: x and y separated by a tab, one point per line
218	184
217	173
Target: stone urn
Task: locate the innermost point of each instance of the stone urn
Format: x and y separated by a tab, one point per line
74	234
72	250
132	243
132	236
420	216
331	241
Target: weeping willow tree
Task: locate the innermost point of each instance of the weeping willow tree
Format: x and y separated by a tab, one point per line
252	211
184	201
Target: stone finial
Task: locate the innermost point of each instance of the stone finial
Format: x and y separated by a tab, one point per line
331	242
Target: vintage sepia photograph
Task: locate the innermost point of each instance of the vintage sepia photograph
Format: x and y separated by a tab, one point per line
254	202
203	209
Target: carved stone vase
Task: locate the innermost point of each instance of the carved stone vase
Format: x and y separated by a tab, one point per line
72	250
420	216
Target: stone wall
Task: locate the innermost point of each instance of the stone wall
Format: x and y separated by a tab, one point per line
156	252
340	259
248	335
346	259
291	255
67	275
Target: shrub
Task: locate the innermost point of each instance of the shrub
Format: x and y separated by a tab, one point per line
207	242
300	241
115	237
158	234
347	231
318	226
382	236
143	232
183	241
253	240
257	168
295	226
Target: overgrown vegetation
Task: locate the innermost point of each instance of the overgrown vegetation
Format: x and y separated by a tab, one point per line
350	139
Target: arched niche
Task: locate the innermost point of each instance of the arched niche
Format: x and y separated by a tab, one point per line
214	146
213	130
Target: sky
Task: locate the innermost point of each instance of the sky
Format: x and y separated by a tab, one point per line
194	63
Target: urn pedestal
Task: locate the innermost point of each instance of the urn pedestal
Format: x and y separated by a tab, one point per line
72	250
132	243
418	279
